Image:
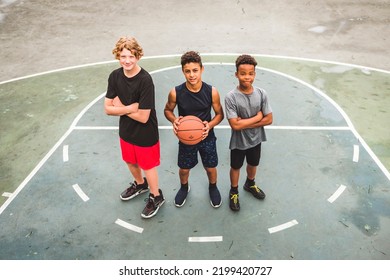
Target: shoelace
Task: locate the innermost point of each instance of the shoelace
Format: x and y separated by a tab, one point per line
150	204
130	189
255	187
132	185
234	197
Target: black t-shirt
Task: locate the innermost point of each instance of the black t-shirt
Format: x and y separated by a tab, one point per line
139	88
195	103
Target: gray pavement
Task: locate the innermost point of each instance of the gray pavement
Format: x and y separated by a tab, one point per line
36	112
70	209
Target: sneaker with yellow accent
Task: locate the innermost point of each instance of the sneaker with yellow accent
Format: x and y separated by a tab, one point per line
234	203
254	190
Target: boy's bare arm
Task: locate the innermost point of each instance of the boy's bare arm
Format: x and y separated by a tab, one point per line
114	107
266	120
217	107
218	111
239	124
169	108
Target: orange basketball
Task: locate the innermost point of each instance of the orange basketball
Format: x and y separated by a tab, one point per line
190	130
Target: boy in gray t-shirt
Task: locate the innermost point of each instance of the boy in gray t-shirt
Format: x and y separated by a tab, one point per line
248	111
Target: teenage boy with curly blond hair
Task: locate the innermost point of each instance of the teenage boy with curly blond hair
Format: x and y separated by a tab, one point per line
131	95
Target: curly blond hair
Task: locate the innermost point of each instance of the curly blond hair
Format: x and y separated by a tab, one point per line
129	43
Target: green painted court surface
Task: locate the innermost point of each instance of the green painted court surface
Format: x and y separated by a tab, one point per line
323	170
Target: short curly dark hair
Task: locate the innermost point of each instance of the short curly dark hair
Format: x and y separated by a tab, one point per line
191	56
245	59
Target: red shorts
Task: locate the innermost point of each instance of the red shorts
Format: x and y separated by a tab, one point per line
145	157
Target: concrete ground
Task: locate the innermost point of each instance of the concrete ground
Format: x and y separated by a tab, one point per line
37	111
326	197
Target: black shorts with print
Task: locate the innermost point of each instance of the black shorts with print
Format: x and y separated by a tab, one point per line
188	154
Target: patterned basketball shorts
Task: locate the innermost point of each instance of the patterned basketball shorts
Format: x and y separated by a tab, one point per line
188	154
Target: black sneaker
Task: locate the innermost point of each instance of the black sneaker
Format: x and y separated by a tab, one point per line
234	203
215	197
181	196
134	190
254	190
153	205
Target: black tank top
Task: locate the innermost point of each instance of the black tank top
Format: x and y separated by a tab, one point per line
195	103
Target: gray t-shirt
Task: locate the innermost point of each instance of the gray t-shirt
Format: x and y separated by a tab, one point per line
238	104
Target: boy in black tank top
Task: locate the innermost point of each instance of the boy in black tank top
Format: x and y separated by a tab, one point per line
195	97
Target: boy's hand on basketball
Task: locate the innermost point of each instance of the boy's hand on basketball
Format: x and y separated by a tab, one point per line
176	123
206	130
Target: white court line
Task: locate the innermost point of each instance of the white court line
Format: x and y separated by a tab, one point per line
96	128
129	226
362	67
49	154
283	226
80	192
355	153
65	153
273	127
206	239
320	93
6	194
81	114
337	193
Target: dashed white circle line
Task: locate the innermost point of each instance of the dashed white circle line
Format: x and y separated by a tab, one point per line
205	239
283	226
65	153
355	153
6	194
337	193
80	192
129	226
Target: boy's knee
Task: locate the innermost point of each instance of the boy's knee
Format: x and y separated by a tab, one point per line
184	172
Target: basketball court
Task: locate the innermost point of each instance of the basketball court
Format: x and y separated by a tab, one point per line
324	169
327	193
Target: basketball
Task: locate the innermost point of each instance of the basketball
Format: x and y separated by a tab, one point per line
190	130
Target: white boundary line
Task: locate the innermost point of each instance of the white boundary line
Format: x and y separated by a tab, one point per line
6	194
202	54
273	127
355	153
80	192
283	226
65	153
48	155
337	193
129	226
205	239
81	114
